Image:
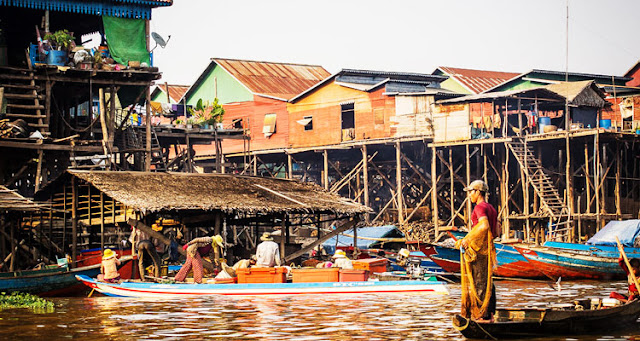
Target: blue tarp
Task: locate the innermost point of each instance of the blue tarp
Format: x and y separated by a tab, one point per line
367	232
626	231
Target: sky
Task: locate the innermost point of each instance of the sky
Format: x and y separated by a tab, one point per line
400	35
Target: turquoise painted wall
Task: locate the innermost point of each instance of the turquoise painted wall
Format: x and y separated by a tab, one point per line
229	89
519	84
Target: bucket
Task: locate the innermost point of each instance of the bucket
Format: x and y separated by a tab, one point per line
542	122
606	124
56	57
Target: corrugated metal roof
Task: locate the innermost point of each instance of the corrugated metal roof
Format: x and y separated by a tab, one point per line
175	91
477	81
278	80
542	92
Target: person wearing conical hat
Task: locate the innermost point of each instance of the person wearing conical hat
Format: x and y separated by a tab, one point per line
341	261
109	267
196	249
267	252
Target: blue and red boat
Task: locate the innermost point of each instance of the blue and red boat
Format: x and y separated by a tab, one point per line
159	290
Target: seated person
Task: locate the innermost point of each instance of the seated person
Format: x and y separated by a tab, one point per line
341	261
633	291
109	267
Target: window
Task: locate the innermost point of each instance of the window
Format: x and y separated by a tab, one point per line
269	126
307	122
348	119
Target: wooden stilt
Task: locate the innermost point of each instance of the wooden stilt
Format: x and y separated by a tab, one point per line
102	220
617	190
325	169
365	179
434	194
147	159
399	198
74	220
468	177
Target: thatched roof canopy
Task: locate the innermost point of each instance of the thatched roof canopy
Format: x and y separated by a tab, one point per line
11	200
580	94
153	192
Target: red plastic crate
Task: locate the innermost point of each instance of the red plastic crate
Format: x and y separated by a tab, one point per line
262	275
354	275
311	275
371	264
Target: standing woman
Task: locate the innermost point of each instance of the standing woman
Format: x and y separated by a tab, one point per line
478	259
196	249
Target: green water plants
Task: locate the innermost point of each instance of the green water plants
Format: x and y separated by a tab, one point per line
23	300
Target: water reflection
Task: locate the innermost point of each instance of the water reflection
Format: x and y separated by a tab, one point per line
366	317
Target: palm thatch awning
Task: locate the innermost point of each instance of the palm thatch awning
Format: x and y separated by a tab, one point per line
11	200
153	192
580	94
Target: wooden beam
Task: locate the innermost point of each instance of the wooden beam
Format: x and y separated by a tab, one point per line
347	225
365	178
399	197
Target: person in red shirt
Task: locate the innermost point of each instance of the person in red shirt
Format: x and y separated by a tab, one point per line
478	259
633	291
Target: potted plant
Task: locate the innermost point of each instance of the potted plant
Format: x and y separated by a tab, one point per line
179	123
61	42
207	114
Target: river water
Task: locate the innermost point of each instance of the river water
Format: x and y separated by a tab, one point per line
339	317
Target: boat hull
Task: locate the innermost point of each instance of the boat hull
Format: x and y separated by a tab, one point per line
155	290
568	264
511	263
540	322
51	282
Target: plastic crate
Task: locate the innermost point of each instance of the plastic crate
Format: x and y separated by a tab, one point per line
312	275
371	264
354	275
262	275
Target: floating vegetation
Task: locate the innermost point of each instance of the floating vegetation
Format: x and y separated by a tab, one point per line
24	300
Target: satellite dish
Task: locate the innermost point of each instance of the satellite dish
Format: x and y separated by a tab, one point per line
159	40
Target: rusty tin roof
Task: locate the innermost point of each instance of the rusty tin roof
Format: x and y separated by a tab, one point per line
477	81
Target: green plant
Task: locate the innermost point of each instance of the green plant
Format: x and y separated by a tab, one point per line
179	121
23	300
206	113
60	39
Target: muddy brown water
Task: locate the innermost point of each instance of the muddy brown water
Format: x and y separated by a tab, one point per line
339	317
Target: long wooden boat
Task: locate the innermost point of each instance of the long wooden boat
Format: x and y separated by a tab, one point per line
511	263
520	323
51	281
150	290
570	264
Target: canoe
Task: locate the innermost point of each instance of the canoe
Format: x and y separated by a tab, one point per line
52	281
520	323
511	263
151	290
569	264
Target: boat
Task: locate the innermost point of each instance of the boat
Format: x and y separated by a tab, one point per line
570	264
535	322
160	290
511	263
51	281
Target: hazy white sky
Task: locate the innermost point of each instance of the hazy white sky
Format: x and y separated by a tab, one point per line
399	35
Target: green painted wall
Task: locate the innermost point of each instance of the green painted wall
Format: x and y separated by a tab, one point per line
453	85
229	89
160	97
519	84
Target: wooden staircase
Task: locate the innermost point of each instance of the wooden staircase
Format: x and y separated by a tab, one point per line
23	102
135	139
552	204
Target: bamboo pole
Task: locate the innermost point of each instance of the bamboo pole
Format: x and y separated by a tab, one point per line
618	175
468	171
451	186
74	220
325	167
626	261
434	194
102	221
289	167
587	177
399	184
147	159
365	178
